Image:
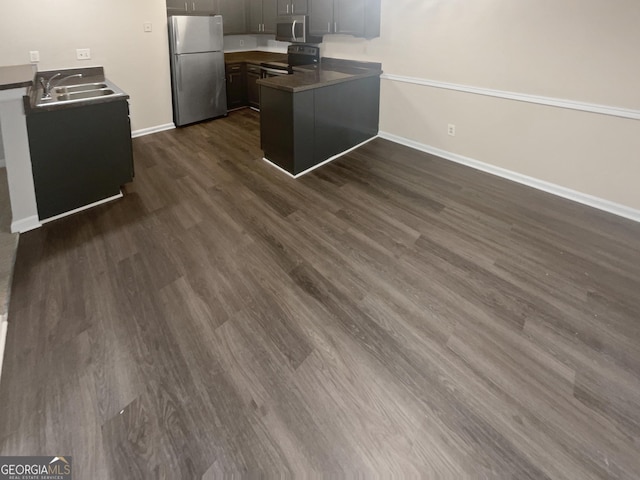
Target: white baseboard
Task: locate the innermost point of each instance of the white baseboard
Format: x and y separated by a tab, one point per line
150	130
331	159
85	207
26	224
584	198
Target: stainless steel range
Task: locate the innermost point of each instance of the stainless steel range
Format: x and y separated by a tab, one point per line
297	55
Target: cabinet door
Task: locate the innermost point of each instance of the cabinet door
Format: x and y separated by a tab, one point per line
292	7
253	91
255	16
320	17
202	6
269	15
284	7
233	16
299	7
235	86
349	17
177	7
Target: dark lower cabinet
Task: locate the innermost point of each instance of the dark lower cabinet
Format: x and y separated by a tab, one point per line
299	130
79	155
236	88
253	92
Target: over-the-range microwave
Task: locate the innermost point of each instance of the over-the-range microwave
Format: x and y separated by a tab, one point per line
295	29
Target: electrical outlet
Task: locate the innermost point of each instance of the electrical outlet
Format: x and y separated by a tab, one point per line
34	56
148	27
83	53
451	130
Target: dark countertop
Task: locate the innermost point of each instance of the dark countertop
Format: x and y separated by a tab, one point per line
16	76
33	104
329	72
254	56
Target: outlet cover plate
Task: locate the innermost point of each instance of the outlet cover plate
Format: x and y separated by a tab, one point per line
83	53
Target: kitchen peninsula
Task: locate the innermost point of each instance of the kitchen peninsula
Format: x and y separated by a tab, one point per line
318	113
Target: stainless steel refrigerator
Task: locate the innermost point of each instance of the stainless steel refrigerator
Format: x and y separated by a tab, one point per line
197	68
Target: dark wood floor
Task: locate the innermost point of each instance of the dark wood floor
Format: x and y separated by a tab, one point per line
389	313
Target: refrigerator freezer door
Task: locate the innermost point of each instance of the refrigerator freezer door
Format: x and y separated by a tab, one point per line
199	88
194	34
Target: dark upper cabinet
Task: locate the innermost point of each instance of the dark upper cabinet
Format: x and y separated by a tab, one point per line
292	7
262	16
191	7
320	17
349	17
269	15
234	19
360	18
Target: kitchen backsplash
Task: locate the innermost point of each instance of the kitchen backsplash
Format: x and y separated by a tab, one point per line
254	42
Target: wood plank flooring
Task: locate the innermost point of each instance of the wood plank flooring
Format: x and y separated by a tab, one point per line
389	313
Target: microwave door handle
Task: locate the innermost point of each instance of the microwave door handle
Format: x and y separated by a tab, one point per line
293	31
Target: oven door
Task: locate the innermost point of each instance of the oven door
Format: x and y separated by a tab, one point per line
266	72
292	29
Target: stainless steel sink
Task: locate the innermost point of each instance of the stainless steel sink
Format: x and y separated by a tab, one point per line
80	88
86	94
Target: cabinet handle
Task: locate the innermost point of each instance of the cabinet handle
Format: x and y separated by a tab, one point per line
186	9
335	27
328	27
193	5
287	8
230	78
292	7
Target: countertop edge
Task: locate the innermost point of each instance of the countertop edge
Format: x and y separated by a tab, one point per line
19	76
265	82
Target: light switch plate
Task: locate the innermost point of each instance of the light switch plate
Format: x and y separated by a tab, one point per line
83	53
148	27
34	56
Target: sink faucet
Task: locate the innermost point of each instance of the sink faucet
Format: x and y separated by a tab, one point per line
46	86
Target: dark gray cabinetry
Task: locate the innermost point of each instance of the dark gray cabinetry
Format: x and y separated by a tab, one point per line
191	7
302	129
253	91
236	89
234	12
79	155
292	7
320	17
233	16
360	18
262	16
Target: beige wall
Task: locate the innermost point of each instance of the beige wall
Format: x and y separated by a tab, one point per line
137	62
584	51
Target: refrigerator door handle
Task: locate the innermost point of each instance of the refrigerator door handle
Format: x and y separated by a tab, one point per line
179	72
176	34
